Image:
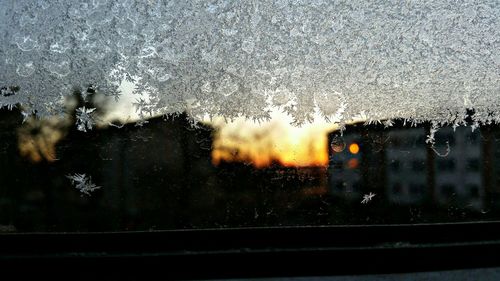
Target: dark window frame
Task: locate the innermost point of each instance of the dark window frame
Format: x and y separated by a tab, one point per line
254	252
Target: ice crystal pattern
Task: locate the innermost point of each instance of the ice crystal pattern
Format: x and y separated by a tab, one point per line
367	198
419	59
84	120
83	183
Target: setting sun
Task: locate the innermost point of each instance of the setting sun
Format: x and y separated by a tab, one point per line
274	141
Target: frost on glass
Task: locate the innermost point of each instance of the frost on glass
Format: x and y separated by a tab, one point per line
375	60
83	183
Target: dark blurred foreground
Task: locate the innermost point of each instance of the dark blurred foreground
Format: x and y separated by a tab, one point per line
160	176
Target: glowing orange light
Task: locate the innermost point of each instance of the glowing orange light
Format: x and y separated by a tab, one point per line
354	148
353	163
271	142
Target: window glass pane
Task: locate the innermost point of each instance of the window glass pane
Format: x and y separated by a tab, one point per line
169	174
142	115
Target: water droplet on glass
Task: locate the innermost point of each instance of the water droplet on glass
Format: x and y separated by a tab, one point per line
60	69
227	86
125	27
97	3
25	69
206	88
161	74
28	19
248	46
168	55
127	44
147	52
59	47
44	4
25	43
79	11
338	143
98	17
81	33
96	52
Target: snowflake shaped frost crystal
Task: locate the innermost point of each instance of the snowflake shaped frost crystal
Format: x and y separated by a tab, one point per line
367	198
83	183
84	118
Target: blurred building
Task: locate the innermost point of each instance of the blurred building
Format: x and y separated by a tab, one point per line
457	166
400	166
406	169
157	168
159	171
345	164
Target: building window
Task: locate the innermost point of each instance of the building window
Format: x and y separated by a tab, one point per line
417	189
473	165
447	190
473	191
395	165
447	165
397	188
418	165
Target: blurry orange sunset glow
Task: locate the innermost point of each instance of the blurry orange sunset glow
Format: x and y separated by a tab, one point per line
273	141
